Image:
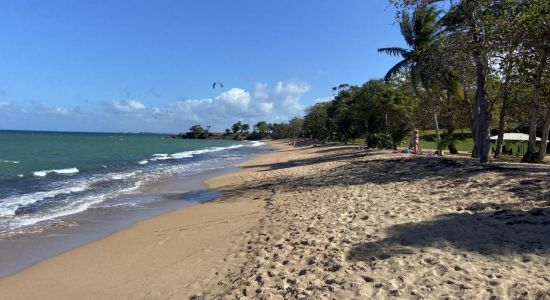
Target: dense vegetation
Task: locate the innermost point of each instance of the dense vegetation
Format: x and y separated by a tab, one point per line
485	59
379	112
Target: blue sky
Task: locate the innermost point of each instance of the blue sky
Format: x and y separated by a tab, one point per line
149	65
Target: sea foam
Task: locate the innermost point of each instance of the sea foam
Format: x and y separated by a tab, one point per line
59	171
192	153
256	144
9	205
9	161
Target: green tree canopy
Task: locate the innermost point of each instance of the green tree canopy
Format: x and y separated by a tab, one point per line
196	129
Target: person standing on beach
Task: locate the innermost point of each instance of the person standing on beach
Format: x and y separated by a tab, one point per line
414	141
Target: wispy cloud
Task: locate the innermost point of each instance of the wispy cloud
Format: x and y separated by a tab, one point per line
6	106
49	109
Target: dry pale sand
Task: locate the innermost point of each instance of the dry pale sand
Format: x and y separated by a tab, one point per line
328	222
342	224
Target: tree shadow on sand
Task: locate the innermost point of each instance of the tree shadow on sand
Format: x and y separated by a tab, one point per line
520	225
501	232
343	155
445	172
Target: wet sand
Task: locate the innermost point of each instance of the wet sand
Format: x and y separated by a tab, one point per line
24	250
330	222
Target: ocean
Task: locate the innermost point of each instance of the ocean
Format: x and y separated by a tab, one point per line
48	178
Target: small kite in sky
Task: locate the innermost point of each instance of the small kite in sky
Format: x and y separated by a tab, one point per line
218	83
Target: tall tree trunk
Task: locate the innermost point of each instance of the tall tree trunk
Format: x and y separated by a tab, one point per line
434	113
483	115
503	110
530	155
473	128
501	122
544	138
502	119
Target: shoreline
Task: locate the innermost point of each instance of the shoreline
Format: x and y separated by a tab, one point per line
152	199
58	276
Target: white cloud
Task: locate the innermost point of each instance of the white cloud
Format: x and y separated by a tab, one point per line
263	103
235	97
233	102
290	95
260	91
265	107
123	107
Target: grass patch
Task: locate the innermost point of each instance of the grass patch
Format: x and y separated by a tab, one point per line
463	141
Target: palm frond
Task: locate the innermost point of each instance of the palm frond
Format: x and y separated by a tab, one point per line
406	28
425	25
394	51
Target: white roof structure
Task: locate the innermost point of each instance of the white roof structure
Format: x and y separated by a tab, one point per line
515	137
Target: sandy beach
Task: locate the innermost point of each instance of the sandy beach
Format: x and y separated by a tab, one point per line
329	222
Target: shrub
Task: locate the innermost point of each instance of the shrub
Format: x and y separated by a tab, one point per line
380	140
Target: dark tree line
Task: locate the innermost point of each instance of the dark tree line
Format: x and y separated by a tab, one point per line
486	57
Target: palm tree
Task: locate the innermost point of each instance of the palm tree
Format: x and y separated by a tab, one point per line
420	32
244	129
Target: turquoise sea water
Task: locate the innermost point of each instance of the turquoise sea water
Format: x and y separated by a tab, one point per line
26	152
45	176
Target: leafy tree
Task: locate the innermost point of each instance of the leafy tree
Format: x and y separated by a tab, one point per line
295	126
532	25
316	123
342	113
388	108
280	131
471	31
263	128
245	128
196	129
236	127
379	110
